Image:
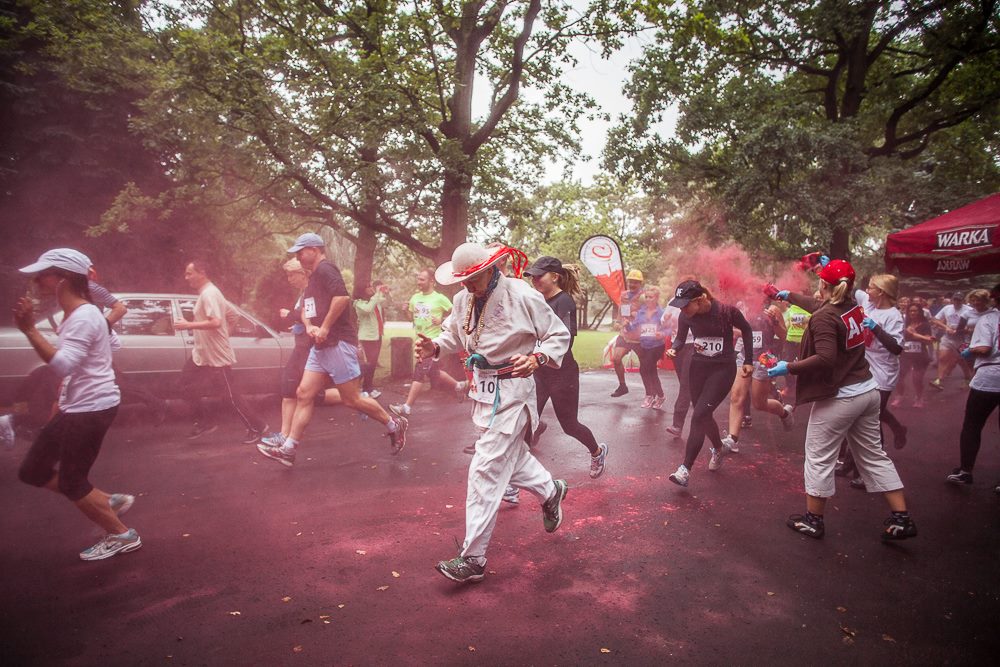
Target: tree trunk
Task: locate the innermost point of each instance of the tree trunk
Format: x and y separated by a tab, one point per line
364	256
840	244
454	212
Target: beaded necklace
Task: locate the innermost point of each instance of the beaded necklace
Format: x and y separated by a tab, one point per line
479	303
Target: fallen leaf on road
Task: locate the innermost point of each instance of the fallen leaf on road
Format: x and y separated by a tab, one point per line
395	574
341	606
448	506
297	649
841	609
887	638
298	534
605	650
306	620
847	631
382	588
326	622
323	617
286	599
472	648
361	552
770	593
234	613
186	535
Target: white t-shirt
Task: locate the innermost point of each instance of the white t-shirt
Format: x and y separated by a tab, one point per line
987	377
883	363
951	315
83	358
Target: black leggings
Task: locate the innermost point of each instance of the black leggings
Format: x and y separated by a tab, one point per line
978	408
648	360
372	349
682	364
886	417
196	380
711	382
563	387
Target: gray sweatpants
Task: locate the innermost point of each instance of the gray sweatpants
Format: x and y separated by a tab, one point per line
854	418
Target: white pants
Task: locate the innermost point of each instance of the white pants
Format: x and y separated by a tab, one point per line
854	418
500	459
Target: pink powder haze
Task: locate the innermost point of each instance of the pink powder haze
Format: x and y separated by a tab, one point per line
730	274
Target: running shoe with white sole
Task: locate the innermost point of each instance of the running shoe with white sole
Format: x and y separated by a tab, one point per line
675	431
111	545
276	439
462	390
399	409
898	528
462	569
374	393
120	502
959	476
788	420
552	515
808	526
715	462
937	384
397	438
680	476
282	456
597	462
731	444
620	391
658	402
647	402
512	495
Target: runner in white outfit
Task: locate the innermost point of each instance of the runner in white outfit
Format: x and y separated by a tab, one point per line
509	332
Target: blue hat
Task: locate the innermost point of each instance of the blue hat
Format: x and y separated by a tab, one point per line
307	240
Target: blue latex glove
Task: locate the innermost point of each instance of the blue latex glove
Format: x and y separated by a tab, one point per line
869	323
780	368
782	294
966	353
823	260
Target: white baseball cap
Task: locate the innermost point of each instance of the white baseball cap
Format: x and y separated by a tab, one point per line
67	259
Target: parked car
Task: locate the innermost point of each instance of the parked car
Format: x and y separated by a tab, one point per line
152	353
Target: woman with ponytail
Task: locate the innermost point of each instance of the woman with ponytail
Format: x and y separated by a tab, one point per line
559	283
834	376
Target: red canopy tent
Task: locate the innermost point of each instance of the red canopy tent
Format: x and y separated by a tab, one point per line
959	244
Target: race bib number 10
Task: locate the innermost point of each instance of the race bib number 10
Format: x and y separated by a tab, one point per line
855	332
484	385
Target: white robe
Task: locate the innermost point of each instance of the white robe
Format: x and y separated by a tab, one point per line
518	321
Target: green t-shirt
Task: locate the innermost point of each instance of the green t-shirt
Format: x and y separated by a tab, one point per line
425	306
795	321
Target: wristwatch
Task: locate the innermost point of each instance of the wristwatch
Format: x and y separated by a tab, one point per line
541	359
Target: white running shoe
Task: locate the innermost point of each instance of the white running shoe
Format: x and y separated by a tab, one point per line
597	463
788	421
112	544
731	444
374	393
399	409
120	502
715	462
681	476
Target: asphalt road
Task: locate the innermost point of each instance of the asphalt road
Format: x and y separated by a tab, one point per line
331	562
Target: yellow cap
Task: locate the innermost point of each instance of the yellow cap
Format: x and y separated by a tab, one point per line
635	274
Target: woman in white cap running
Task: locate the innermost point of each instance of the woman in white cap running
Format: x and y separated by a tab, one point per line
67	446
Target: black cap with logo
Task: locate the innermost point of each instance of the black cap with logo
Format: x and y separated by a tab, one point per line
543	265
685	292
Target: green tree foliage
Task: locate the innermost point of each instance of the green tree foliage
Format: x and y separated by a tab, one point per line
805	125
557	218
360	115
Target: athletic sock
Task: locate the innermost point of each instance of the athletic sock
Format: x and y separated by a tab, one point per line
901	515
391	426
289	444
